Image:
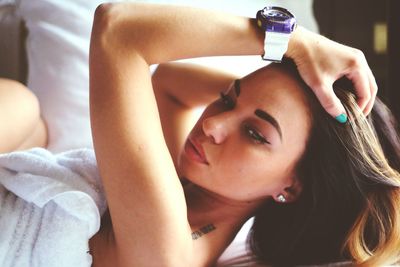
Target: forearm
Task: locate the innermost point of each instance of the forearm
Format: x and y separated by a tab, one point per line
162	33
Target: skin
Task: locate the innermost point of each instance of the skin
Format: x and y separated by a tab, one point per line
21	124
321	62
239	167
142	228
226	191
152	214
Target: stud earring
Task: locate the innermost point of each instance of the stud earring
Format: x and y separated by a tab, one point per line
281	198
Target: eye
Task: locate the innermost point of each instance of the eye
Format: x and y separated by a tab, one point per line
227	101
255	135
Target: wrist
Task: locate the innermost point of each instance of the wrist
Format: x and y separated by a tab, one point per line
260	36
278	24
296	42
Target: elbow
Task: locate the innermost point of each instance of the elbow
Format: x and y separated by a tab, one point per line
108	24
123	27
114	27
102	20
102	10
103	40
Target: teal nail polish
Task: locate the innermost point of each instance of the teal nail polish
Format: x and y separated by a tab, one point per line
342	118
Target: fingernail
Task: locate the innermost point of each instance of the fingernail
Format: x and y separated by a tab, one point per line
342	118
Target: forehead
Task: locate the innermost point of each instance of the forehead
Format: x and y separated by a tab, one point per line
281	95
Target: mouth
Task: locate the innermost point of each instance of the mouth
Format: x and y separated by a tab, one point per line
195	151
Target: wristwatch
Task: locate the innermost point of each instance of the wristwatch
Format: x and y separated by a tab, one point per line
278	23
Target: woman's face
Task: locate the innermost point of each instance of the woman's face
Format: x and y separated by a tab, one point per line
245	145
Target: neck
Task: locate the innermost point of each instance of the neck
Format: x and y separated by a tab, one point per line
205	207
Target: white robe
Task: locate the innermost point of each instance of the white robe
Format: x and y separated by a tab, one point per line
50	206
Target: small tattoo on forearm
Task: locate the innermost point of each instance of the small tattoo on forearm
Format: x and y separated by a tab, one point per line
203	230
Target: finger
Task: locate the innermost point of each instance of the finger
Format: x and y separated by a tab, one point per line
374	91
331	103
361	83
370	105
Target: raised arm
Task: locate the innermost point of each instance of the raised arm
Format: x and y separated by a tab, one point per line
145	197
181	89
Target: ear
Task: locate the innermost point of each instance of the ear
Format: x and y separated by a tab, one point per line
290	193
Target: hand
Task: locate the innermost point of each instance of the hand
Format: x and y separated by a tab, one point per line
321	62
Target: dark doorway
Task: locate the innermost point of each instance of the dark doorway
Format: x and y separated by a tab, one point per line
374	27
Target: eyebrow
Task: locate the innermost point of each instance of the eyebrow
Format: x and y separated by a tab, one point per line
267	117
236	85
260	113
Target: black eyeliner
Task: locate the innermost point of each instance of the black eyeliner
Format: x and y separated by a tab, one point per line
255	135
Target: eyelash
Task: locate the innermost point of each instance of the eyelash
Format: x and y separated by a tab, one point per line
228	102
255	135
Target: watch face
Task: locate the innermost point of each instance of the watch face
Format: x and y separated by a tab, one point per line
276	19
277	15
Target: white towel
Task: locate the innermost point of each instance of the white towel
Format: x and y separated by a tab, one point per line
50	206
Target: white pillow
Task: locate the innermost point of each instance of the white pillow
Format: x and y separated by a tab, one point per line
57	48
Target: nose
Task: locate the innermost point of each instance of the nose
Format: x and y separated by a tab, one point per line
216	127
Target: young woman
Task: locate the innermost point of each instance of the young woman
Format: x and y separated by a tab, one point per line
177	194
321	191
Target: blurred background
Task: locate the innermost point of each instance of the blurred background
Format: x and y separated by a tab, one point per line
372	26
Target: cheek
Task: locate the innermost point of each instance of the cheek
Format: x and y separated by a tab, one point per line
247	175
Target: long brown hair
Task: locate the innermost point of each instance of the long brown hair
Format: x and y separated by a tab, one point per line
349	209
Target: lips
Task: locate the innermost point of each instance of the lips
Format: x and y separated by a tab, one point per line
195	151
